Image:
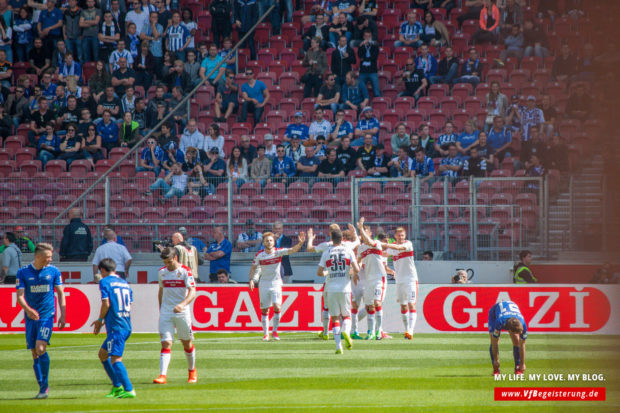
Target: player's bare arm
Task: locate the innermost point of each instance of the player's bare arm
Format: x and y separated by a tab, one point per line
311	236
302	239
355	268
191	294
30	312
253	277
363	235
321	272
495	351
103	311
397	247
62	303
160	294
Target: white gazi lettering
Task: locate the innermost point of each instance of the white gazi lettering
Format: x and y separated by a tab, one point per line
288	299
473	312
317	317
214	319
552	297
18	321
244	301
503	296
579	320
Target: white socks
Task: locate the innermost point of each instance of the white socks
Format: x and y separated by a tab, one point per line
336	331
413	316
379	318
276	322
164	361
361	314
371	321
190	355
353	319
404	314
346	325
265	321
325	322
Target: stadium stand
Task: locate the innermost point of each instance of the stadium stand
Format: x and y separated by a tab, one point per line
35	192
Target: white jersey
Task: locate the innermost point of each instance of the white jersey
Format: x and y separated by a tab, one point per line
323	246
372	259
175	284
403	264
337	261
268	266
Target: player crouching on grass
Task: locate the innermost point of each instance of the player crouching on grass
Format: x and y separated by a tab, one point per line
177	289
336	264
406	281
266	264
371	254
506	315
116	299
351	241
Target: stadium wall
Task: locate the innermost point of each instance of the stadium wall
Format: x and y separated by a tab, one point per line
441	308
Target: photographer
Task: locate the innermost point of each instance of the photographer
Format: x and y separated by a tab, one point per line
414	81
368	53
188	255
460	277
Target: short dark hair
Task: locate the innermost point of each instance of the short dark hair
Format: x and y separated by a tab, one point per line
221	271
524	254
107	264
514	325
168	252
429	253
336	236
10	236
382	236
280	146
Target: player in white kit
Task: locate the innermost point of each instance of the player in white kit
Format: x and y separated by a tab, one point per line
266	265
371	254
350	241
406	281
336	264
177	289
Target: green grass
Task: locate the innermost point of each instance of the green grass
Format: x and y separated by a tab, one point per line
239	373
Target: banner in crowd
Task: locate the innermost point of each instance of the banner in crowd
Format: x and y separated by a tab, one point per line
440	308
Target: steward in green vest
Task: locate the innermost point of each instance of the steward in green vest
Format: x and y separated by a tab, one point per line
522	272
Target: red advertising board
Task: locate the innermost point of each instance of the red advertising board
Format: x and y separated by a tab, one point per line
550	309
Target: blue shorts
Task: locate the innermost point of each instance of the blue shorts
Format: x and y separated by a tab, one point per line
114	344
36	330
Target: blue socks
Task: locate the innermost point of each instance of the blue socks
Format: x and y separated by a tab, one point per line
491	353
107	365
121	373
517	356
36	366
44	365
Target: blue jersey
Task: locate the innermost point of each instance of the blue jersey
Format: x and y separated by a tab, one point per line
118	292
500	313
38	286
294	130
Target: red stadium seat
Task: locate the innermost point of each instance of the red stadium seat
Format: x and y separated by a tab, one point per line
30	167
201	213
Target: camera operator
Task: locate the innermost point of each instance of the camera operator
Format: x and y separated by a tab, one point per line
188	255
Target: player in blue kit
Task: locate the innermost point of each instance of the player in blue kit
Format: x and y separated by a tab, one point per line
35	294
116	299
506	315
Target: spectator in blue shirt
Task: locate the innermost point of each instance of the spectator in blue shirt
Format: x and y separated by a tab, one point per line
48	88
426	62
172	155
467	139
108	131
344	6
367	124
340	128
354	94
218	253
443	142
451	165
471	70
422	166
209	63
500	138
297	129
308	165
50	25
48	145
410	31
255	96
151	158
282	166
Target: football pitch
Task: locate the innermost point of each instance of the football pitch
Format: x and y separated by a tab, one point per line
240	373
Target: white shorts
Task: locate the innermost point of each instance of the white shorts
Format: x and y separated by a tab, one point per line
181	321
374	291
339	304
357	292
407	293
269	296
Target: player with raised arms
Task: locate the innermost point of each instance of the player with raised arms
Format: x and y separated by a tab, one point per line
115	313
36	284
336	264
406	281
177	289
506	315
351	241
266	265
371	254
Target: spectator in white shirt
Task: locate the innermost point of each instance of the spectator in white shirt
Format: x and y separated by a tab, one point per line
113	250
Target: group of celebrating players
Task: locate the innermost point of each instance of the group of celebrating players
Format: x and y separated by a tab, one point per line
355	270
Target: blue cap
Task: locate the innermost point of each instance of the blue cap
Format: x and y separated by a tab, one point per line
300	114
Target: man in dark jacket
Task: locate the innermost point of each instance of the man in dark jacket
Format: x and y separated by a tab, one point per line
220	20
368	52
178	77
77	242
16	106
246	16
319	29
342	60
